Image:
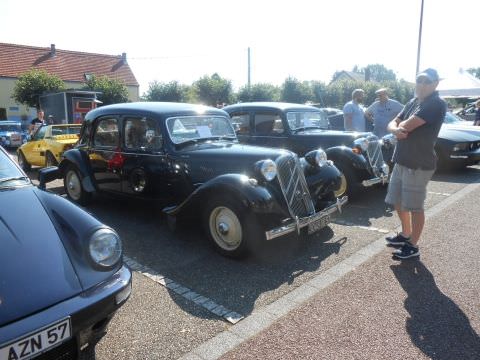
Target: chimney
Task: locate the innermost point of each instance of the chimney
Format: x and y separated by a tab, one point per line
53	51
124	58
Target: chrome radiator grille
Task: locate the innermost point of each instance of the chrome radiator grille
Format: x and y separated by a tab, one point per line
294	186
375	156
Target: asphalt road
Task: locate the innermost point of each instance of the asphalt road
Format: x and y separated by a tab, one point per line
162	321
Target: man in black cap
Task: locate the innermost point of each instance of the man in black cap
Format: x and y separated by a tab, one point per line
416	129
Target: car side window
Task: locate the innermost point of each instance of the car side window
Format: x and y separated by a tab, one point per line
40	133
142	134
106	133
268	124
241	123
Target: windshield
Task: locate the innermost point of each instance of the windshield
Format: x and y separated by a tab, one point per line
187	128
307	119
451	119
17	128
10	175
65	130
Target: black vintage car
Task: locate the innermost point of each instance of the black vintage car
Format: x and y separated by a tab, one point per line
187	157
61	272
301	128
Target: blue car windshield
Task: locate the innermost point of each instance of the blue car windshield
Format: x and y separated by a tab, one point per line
12	128
187	128
10	175
307	119
452	119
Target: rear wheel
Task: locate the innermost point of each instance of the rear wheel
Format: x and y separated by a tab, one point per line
73	186
23	162
226	225
50	160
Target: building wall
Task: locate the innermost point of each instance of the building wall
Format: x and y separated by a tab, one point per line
15	111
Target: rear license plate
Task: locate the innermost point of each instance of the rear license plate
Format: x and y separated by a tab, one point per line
38	342
318	224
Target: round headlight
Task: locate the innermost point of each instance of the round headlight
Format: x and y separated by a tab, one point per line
268	169
362	143
389	140
105	247
316	157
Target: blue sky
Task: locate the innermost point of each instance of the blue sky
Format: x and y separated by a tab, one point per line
186	39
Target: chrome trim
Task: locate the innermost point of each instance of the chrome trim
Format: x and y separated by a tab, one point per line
299	223
458	157
376	180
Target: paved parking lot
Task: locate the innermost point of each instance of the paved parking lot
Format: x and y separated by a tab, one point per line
166	322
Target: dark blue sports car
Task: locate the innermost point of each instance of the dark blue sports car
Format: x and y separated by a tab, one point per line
61	271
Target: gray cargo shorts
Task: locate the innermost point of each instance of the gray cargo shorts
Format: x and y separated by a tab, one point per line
408	187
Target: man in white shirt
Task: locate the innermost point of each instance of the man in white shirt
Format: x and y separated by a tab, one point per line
353	113
382	111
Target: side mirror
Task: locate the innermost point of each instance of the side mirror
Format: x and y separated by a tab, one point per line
47	175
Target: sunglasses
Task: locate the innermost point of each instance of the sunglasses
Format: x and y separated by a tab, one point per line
424	81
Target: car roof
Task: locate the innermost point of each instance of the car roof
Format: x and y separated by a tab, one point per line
10	122
164	109
283	106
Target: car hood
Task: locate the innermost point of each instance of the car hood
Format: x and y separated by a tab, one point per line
207	160
35	270
459	133
330	137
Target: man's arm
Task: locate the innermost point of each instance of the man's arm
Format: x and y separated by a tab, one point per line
412	123
399	131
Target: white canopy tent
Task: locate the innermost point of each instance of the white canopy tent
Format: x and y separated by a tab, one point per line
461	84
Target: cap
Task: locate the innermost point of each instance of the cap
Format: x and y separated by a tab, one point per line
382	90
430	74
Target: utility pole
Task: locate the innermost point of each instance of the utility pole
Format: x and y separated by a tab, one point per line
419	41
249	69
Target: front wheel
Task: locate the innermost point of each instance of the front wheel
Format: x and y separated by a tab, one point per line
50	160
22	161
350	184
226	225
73	186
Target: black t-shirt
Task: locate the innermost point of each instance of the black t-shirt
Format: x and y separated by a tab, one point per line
36	121
417	150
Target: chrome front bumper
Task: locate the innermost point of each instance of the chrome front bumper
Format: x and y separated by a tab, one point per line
296	225
383	179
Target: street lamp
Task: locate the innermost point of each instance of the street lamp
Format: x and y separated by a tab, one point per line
419	40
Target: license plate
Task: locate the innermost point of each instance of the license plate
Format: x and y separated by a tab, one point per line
38	342
318	224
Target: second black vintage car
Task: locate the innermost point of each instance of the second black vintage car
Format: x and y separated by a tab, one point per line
301	128
188	158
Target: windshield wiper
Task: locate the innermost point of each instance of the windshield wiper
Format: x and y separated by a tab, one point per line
303	128
4	180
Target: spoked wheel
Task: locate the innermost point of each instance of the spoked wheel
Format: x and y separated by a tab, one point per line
343	186
23	162
73	186
226	226
50	160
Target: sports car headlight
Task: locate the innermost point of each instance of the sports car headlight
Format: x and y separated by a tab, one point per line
361	143
267	168
460	147
105	247
316	158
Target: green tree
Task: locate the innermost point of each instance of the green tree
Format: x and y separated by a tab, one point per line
295	91
378	72
112	91
259	92
33	83
169	92
475	72
318	90
213	90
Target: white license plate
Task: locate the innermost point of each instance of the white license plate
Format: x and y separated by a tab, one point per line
38	342
318	224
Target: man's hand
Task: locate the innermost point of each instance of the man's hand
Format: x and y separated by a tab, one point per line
400	133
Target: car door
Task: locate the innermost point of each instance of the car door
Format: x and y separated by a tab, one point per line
145	162
34	150
268	129
105	156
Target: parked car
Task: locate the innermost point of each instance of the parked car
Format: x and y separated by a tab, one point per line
335	118
187	157
62	276
457	145
302	128
467	113
11	134
47	145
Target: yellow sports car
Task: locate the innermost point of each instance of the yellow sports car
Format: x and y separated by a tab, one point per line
47	145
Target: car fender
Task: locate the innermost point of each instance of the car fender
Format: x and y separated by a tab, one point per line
81	161
345	155
249	193
321	180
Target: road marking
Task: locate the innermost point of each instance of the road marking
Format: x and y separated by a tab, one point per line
206	303
261	319
369	228
438	193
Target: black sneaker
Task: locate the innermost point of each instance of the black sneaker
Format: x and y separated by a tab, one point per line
407	251
398	240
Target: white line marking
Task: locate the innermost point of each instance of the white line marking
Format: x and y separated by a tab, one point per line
369	228
210	305
438	193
